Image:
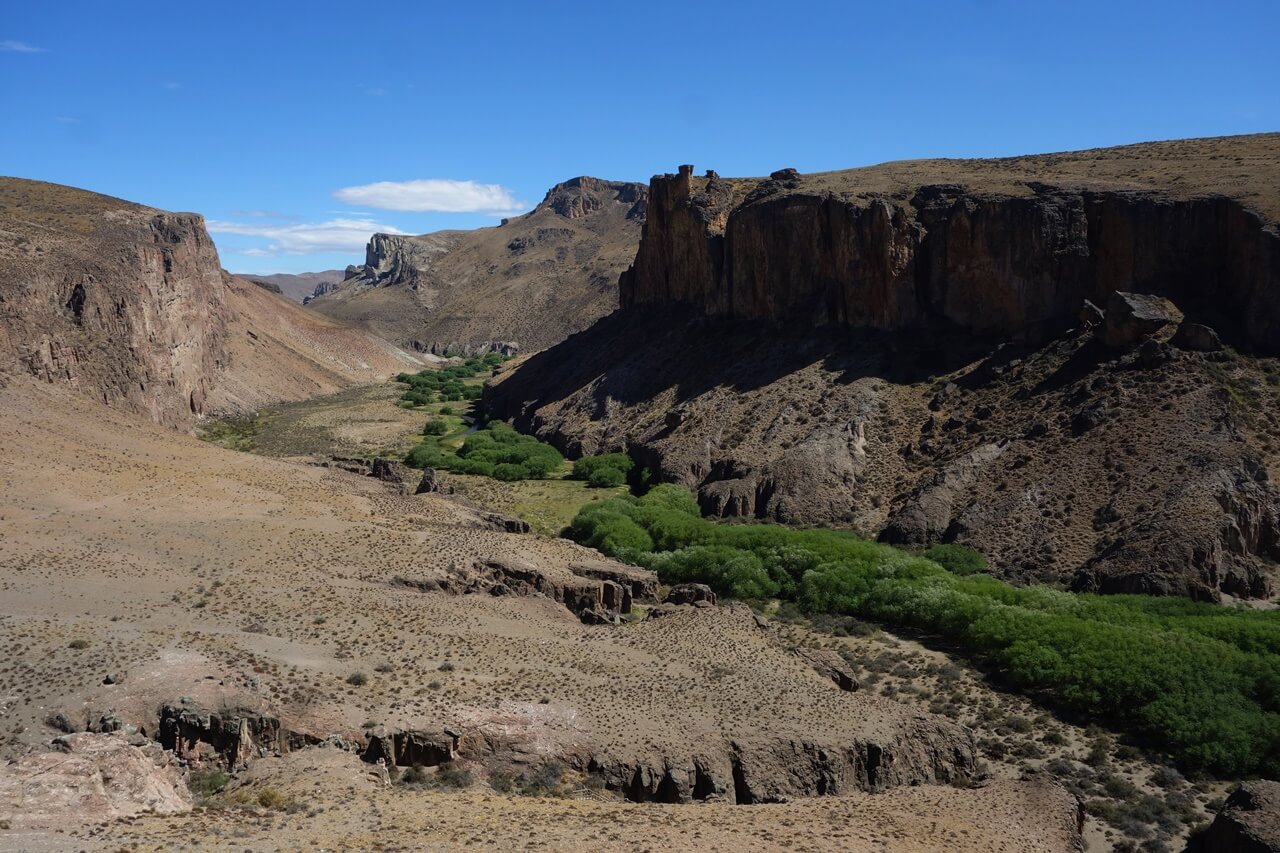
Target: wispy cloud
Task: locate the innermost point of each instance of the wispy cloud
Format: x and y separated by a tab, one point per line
9	46
336	235
436	195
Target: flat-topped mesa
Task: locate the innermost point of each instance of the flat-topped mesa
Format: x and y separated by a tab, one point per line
1000	248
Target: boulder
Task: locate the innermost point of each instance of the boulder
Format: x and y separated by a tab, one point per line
830	665
391	471
1194	337
1249	822
430	483
1133	316
690	593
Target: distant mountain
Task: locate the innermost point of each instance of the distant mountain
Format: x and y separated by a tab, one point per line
296	286
532	281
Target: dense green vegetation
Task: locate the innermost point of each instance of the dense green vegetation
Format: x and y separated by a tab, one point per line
495	450
1198	680
603	472
447	383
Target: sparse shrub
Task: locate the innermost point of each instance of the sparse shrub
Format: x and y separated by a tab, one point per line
270	798
78	645
357	679
206	783
450	776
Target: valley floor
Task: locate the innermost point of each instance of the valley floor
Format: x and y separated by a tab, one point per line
172	568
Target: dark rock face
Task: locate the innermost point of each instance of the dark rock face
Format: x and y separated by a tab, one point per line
410	748
999	266
641	584
772	771
690	593
230	736
1249	821
391	471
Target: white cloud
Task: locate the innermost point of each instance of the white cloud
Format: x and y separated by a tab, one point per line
435	195
336	235
19	47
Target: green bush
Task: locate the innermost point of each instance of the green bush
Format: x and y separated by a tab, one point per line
495	450
957	559
436	426
447	383
605	471
1198	680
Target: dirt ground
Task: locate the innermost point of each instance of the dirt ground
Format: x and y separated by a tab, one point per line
181	569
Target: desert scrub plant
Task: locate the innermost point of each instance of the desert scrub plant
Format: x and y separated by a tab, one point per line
206	783
270	798
78	645
357	679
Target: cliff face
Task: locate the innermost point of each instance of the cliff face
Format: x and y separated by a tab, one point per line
993	264
906	350
123	302
130	306
526	284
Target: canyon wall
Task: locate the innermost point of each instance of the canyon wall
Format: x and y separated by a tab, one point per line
122	302
1012	266
129	305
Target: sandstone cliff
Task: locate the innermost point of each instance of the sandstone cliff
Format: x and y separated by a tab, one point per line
902	350
525	284
129	305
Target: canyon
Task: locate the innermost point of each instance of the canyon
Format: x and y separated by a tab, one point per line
947	351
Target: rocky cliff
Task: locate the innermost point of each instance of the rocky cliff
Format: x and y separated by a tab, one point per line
950	351
124	302
129	305
526	284
1006	249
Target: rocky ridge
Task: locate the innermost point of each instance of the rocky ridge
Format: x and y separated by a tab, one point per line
525	284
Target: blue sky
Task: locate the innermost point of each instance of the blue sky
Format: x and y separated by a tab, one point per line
299	128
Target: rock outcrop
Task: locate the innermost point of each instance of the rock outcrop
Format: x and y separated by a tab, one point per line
123	302
228	736
871	249
91	778
1249	822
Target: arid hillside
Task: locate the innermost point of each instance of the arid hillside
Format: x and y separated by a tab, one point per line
237	608
531	281
128	305
1064	361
